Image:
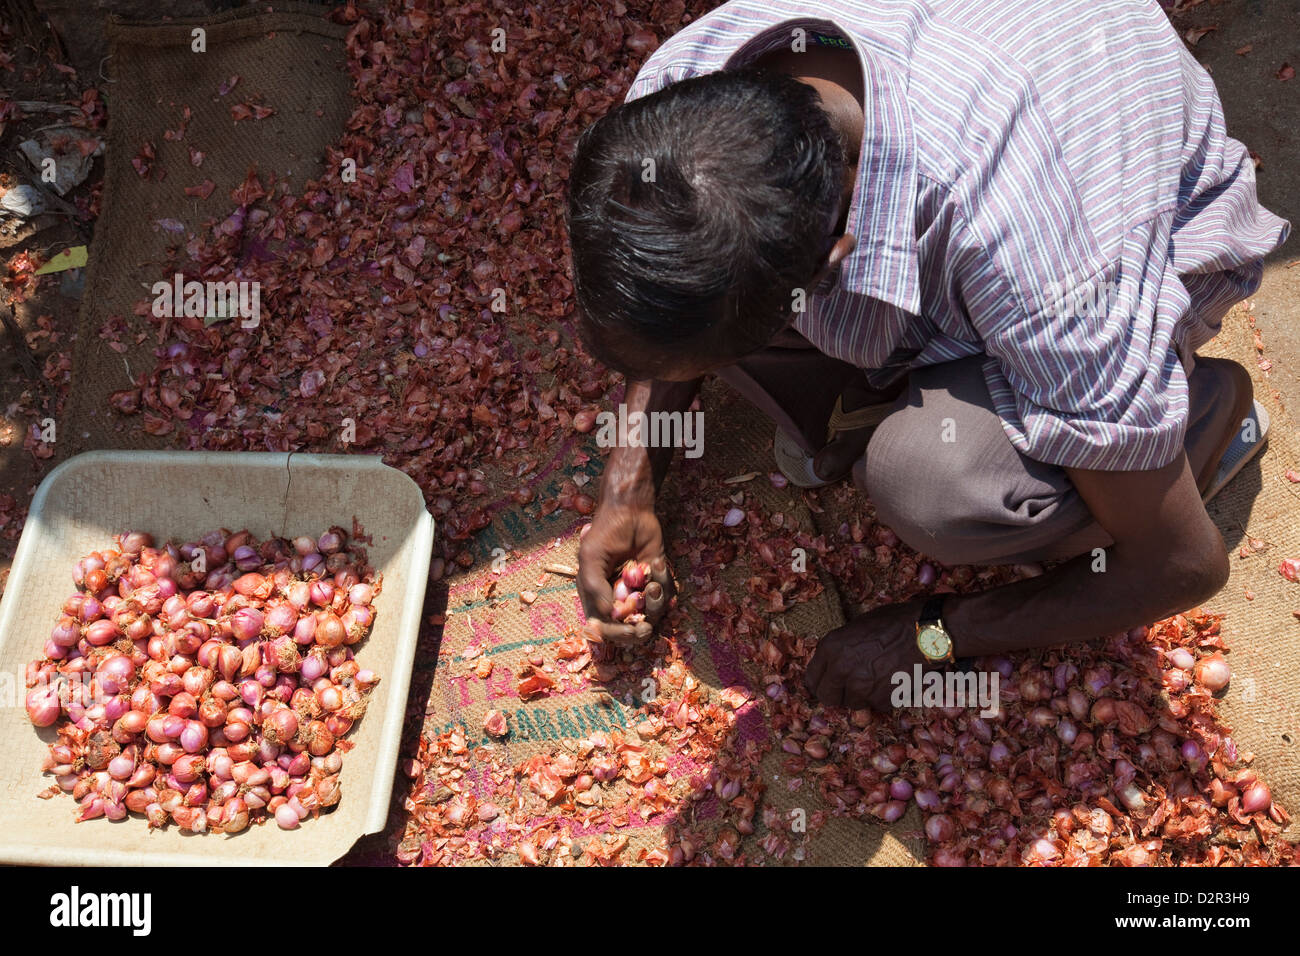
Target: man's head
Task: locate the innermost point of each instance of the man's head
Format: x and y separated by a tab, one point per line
694	214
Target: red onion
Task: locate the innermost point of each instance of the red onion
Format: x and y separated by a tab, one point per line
1257	797
1213	673
187	767
247	623
194	737
1096	679
66	632
927	799
145	700
321	592
115	674
187	648
939	828
168	752
900	789
1131	795
102	632
357	620
183	704
234	816
329	629
281	618
89	609
281	726
115	707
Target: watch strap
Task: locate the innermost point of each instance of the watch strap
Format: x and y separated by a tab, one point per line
932	610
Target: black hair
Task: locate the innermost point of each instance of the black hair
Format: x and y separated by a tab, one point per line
694	213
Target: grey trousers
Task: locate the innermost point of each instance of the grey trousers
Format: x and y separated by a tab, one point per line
975	500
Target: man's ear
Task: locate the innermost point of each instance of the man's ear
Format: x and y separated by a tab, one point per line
843	246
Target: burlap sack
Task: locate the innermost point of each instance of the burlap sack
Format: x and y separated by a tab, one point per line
487	621
291	60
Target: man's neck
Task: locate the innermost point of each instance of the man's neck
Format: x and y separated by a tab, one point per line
837	77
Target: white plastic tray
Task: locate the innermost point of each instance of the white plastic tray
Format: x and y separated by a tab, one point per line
81	505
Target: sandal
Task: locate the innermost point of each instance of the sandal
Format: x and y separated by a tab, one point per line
1240	451
797	465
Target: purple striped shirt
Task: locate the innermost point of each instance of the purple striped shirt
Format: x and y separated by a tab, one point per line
1047	184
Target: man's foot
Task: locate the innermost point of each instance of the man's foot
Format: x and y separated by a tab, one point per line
858	410
1242	422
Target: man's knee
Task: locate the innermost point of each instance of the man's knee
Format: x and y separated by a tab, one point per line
917	474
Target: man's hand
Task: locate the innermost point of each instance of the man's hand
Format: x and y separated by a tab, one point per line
625	526
617	534
854	665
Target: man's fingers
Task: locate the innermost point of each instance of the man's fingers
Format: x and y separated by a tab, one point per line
812	675
614	632
656	600
659	572
594	589
659	590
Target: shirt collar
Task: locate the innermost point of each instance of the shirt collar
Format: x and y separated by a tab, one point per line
882	212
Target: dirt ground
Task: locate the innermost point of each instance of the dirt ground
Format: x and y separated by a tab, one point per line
35	354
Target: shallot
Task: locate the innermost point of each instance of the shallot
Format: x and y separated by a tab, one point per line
187	705
629	592
1213	673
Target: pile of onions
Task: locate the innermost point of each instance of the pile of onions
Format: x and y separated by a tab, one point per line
629	592
208	684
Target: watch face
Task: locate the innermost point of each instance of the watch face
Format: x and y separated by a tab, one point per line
934	643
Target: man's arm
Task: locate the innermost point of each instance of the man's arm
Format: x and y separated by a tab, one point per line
625	525
1167	557
633	473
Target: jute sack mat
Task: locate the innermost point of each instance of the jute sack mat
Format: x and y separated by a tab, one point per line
1262	702
486	621
290	60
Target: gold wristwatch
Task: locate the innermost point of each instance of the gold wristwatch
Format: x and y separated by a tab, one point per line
932	638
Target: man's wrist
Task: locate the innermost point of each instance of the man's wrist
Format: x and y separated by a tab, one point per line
955	623
965	622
